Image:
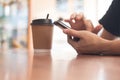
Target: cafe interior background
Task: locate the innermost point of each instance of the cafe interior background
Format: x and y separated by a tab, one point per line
16	16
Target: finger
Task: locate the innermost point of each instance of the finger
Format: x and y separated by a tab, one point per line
97	29
89	25
71	20
73	16
74	33
79	17
67	20
71	41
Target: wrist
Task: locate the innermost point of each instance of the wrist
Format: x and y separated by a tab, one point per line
106	47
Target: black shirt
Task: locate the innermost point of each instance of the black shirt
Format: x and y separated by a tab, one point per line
111	20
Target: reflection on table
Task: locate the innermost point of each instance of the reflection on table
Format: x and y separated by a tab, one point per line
26	65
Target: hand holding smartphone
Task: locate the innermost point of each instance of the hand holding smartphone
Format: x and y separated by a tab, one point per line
62	25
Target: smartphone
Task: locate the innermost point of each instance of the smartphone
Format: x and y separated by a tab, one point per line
61	24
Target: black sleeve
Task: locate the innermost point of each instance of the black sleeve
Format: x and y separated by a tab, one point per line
111	20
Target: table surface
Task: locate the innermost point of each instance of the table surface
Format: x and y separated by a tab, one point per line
57	65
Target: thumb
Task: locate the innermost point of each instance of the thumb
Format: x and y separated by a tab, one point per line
97	29
72	32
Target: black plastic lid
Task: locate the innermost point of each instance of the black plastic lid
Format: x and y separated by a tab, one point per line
42	22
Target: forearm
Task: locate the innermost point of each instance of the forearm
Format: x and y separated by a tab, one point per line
111	47
106	35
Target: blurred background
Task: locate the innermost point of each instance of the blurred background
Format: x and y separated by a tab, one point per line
16	15
13	23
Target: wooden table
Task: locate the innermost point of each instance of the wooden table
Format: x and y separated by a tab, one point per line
24	65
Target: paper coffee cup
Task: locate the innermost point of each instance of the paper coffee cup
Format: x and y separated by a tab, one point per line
42	31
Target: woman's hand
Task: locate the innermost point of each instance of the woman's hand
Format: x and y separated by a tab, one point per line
88	43
76	21
79	22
